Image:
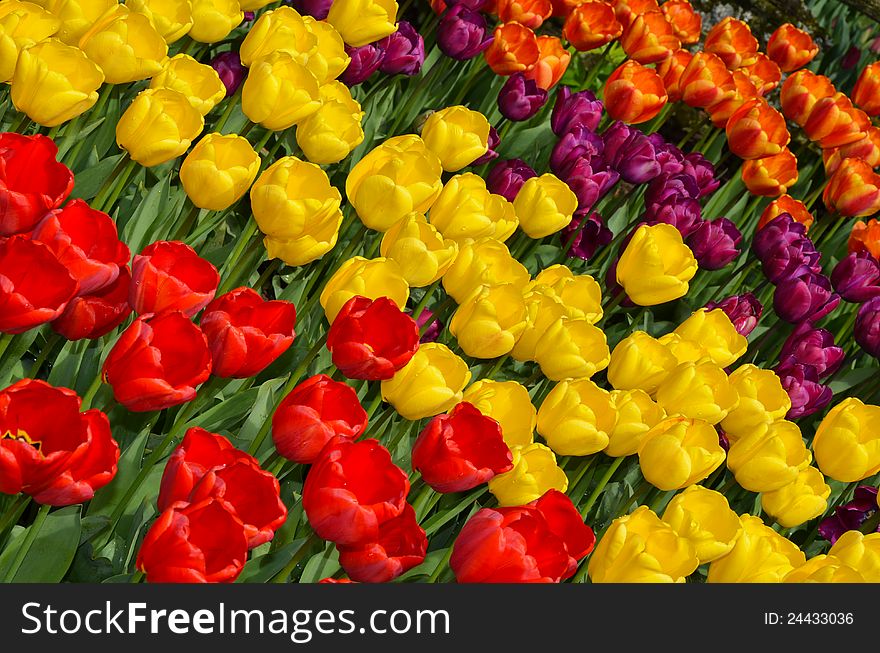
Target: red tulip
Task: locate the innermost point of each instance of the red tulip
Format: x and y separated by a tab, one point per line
372	339
351	490
316	411
401	546
32	181
97	314
49	449
86	242
157	362
34	286
461	450
194	543
246	333
169	275
540	542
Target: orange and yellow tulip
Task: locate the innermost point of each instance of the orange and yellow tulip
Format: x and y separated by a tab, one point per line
705	81
649	38
791	48
771	176
865	237
733	41
591	25
687	24
800	91
531	13
866	93
853	190
634	93
552	62
787	204
514	49
834	121
757	130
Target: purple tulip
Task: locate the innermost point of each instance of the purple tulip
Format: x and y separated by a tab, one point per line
249	16
589	184
433	331
317	9
807	296
703	172
683	213
491	154
629	151
365	60
856	277
473	5
462	33
715	244
508	176
791	260
867	327
404	51
589	234
813	347
780	231
723	440
579	143
575	109
675	186
851	515
807	395
743	310
670	158
520	98
230	70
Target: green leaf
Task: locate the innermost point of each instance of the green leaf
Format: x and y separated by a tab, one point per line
137	228
51	553
321	565
260	411
263	568
89	181
129	465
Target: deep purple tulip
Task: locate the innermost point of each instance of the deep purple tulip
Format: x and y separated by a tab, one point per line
683	213
491	154
249	16
589	184
813	347
365	60
723	440
317	9
670	158
807	296
629	151
508	176
433	331
703	172
791	260
230	70
807	394
856	277
851	515
520	98
589	234
715	244
473	5
867	327
404	51
780	231
743	310
575	109
462	33
579	143
665	187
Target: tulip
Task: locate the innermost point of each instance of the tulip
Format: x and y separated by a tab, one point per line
544	205
465	210
520	98
572	348
431	383
365	60
279	92
779	232
231	71
762	401
571	110
771	176
631	153
861	552
640	548
856	277
634	93
744	311
401	545
763	73
813	347
847	448
531	13
577	418
786	204
679	451
488	323
49	449
404	51
213	20
637	413
22	24
591	25
334	130
514	48
833	122
704	518
698	390
507	177
297	209
791	48
627	10
760	555
423	254
800	501
457	136
672	68
714	244
76	16
371	278
824	569
807	394
867	149
732	41
791	259
553	60
219	170
769	457
867	88
576	144
656	265
98	313
851	515
639	362
199	83
865	237
363	21
159	125
462	33
580	294
649	38
484	262
800	92
867	329
508	403
544	309
705	81
169	275
757	130
853	190
173	19
587	239
281	29
534	472
686	23
805	296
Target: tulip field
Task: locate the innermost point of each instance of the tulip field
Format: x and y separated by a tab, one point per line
462	291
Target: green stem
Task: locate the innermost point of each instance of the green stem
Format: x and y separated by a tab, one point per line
606	477
188	222
426	298
48	346
231	103
13	512
226	270
89	394
29	538
442	566
122	168
283	575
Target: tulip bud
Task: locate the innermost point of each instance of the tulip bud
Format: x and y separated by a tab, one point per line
768	458
760	555
125	45
824	569
861	552
705	81
714	243
371	278
544	309
732	41
22	24
686	23
846	445
404	51
508	403
786	204
572	348
465	210
807	394
630	153
640	362
279	92
791	48
507	177
462	33
679	451
534	472
771	176
334	130
484	262
329	59
699	390
363	21
853	190
577	418
757	130
704	518
586	239
656	265
520	98
591	25
281	29
634	93
867	327
744	311
553	60
865	237
636	415
219	171
800	92
575	109
544	205
803	499
762	401
763	74
649	38
213	20
431	383
173	19
230	70
457	135
365	60
856	277
805	296
867	89
158	126
488	323
514	48
421	251
199	83
714	332
833	122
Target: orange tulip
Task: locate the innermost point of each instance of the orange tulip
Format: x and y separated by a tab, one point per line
705	81
865	237
791	48
627	10
530	13
591	25
853	190
552	62
686	23
649	38
563	7
787	204
670	70
866	93
756	130
733	41
764	73
800	91
514	49
834	121
867	149
771	176
721	111
634	93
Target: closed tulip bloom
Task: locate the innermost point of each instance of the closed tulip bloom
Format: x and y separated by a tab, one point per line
431	383
763	73
577	418
465	210
282	29
705	81
22	24
279	92
634	93
856	277
213	20
96	314
867	89
371	278
813	347
334	130
488	323
640	362
649	38
364	61
571	110
768	458
824	569
520	98
580	294
363	21
572	348
865	237
866	330
159	125
714	243
508	403
686	23
531	13
679	451
833	122
534	472
762	401
671	70
54	82
744	311
732	41
457	135
172	18
423	254
760	555
401	545
847	447
199	83
800	92
853	190
230	70
704	518
656	265
771	176
715	333
591	25
867	149
627	10
803	499
297	209
157	362
169	275
640	548
329	59
398	177
219	170
125	45
807	394
462	33
757	130
544	309
804	296
637	413
484	262
861	552
553	60
791	48
786	204
544	205
507	177
514	48
404	51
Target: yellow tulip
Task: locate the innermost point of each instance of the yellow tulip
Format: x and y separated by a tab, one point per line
297	209
534	472
508	403
219	170
77	16
543	310
27	23
280	30
637	414
577	418
431	383
172	18
457	135
847	442
716	334
861	552
484	262
198	82
698	390
54	82
580	294
640	362
371	278
334	130
253	5
640	548
704	517
466	210
762	400
572	349
329	59
684	351
213	20
803	499
488	323
8	55
824	569
363	21
656	265
544	205
421	251
678	452
398	177
769	458
760	555
279	92
159	125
